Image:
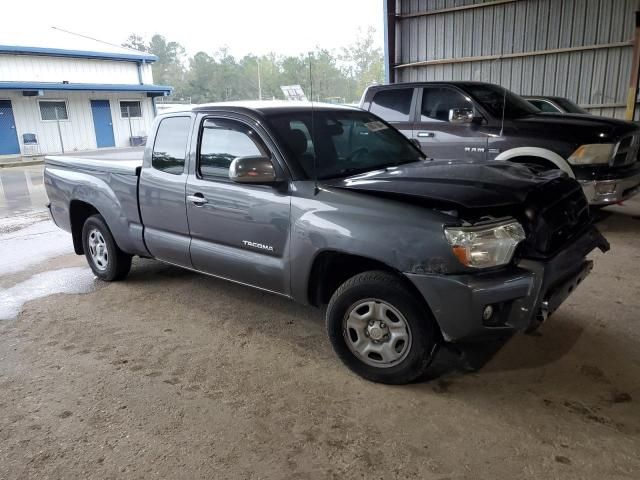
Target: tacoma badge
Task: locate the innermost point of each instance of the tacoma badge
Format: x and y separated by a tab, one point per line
268	248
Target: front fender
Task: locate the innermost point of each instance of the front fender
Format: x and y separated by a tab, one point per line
404	237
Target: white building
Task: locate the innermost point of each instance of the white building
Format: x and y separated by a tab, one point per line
73	94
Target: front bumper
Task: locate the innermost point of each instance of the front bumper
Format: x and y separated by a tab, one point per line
610	190
521	296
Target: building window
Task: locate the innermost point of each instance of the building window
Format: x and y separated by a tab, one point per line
53	110
130	109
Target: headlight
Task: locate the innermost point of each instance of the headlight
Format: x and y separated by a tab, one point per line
487	245
593	154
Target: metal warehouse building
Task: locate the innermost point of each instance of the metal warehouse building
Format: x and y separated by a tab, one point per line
579	49
73	94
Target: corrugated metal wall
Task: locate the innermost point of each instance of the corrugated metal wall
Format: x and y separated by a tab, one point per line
596	78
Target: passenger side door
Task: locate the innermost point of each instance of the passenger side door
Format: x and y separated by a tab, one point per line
443	138
238	231
161	193
395	105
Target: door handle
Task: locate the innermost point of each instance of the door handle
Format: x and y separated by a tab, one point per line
426	134
197	199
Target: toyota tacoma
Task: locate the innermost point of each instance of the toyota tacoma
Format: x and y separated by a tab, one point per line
332	206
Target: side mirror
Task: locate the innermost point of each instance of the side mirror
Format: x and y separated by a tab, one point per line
461	115
252	170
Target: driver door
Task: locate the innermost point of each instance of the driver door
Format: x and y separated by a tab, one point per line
238	231
440	138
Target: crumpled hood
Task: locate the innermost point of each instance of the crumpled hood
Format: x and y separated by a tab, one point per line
469	184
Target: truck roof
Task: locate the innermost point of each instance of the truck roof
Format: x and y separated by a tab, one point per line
430	82
264	107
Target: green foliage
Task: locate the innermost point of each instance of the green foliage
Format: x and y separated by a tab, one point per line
218	76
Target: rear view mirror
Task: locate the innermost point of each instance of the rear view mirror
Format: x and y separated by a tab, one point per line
252	170
461	115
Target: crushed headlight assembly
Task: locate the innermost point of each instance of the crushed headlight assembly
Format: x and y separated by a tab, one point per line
593	154
487	245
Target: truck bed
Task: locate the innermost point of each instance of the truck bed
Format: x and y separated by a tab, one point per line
107	181
123	161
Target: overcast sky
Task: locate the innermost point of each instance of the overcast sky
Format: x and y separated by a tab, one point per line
256	26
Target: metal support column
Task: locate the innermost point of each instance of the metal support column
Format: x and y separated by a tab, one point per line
632	96
389	41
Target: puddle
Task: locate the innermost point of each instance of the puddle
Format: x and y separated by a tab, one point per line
23	246
65	280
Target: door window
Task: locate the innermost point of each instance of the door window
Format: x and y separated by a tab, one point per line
393	105
437	101
170	146
222	141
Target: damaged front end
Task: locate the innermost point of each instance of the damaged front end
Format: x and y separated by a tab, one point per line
547	266
537	232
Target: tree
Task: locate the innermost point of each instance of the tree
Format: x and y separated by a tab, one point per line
136	42
218	76
364	63
168	69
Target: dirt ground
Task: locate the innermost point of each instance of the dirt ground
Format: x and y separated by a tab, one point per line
171	374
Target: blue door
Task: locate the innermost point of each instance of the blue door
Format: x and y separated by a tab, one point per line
102	123
8	137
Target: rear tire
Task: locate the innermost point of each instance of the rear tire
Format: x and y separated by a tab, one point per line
107	261
380	330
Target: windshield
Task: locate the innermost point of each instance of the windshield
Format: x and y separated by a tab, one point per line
343	142
569	106
492	98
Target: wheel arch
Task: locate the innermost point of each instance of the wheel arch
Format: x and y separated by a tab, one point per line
545	154
79	211
331	268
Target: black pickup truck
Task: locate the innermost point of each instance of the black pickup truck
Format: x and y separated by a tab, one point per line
481	121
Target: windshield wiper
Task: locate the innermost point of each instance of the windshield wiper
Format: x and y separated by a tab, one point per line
348	172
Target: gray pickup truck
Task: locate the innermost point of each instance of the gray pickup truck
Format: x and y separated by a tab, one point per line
332	206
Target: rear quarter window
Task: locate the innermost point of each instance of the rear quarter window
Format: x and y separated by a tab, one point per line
170	145
393	105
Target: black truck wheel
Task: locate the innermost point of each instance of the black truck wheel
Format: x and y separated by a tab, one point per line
379	329
107	261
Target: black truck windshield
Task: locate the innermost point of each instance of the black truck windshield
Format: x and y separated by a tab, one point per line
340	143
492	97
569	106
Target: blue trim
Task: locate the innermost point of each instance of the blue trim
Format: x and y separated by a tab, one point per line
60	52
98	87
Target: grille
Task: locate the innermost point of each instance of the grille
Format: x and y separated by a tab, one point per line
627	152
556	223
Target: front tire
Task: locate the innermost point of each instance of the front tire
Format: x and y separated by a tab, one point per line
107	261
380	330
